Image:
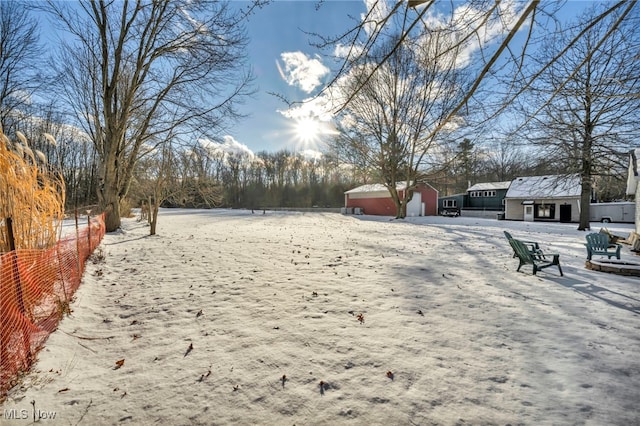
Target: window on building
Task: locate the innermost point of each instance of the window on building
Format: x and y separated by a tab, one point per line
545	211
482	193
450	203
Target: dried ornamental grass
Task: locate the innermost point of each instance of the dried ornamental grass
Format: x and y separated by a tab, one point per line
31	195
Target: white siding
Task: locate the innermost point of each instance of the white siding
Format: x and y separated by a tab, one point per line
376	194
514	210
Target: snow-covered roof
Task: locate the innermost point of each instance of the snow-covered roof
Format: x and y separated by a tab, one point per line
550	186
634	171
487	186
376	187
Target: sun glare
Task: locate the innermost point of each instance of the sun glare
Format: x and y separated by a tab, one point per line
308	130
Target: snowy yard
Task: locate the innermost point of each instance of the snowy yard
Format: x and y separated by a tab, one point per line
287	318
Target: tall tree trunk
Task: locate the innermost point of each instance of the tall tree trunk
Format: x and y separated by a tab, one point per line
109	199
586	166
396	201
403	210
585	204
154	206
585	178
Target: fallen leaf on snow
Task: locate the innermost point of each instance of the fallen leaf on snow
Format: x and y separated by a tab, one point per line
189	349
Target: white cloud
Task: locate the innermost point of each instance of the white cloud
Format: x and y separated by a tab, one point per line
348	51
494	28
377	10
319	108
302	71
464	19
323	107
305	72
228	146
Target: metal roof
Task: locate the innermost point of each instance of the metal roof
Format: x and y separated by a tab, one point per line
486	186
376	187
550	186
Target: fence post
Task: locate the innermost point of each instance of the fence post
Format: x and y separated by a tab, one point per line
18	284
89	230
14	264
78	251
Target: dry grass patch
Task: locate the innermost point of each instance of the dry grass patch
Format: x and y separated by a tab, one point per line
32	195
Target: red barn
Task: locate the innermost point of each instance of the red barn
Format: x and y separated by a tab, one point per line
375	199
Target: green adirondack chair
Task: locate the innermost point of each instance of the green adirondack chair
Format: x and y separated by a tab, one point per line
532	246
538	260
598	244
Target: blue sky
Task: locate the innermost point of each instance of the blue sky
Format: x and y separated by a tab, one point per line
276	30
285	63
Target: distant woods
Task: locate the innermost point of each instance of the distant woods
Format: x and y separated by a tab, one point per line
204	178
197	177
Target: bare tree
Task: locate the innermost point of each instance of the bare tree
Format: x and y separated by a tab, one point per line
482	32
485	26
72	155
583	111
389	122
20	54
161	183
138	71
506	161
152	183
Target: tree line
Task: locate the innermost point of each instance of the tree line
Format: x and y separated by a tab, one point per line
205	176
199	176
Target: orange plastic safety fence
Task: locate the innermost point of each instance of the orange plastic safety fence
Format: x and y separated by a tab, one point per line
36	287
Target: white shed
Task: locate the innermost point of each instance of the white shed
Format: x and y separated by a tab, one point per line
544	198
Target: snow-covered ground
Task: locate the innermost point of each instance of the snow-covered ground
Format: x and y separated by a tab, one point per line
227	317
